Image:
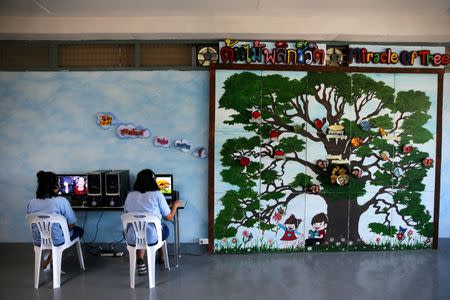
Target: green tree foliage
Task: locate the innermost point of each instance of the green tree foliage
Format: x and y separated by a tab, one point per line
285	105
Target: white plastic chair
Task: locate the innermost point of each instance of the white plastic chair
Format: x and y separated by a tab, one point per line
44	222
139	221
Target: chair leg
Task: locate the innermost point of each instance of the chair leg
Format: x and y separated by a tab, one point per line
57	259
37	265
80	255
151	256
166	256
132	255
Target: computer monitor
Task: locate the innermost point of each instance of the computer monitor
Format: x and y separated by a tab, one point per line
165	184
72	185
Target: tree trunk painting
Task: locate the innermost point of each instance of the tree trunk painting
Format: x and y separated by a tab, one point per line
315	161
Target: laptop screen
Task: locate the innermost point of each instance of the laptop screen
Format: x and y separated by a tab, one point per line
165	184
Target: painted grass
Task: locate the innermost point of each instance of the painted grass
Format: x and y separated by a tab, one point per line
231	246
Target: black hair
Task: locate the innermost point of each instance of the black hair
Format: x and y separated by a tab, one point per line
47	184
293	220
146	181
319	218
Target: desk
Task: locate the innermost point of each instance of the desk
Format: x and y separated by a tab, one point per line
175	222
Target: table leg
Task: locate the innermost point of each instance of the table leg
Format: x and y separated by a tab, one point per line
176	238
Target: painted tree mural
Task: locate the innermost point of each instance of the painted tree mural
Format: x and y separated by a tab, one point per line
383	130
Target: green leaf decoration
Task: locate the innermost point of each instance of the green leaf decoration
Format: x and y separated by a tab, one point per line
384	121
291	144
382	229
273	195
301	180
412	101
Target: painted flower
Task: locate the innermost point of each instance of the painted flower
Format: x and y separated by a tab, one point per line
234	240
400	236
331	239
270	242
276	217
410	232
378	240
224	240
245	233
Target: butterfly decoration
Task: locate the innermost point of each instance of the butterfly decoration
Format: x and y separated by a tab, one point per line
365	125
312	234
401	229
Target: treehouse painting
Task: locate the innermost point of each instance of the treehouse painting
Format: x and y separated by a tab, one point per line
323	161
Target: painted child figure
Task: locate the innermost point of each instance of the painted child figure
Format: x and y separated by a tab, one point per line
317	235
290	226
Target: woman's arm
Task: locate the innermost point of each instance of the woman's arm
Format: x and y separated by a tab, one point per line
173	210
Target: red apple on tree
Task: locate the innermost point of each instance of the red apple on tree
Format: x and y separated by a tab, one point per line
256	114
279	154
244	161
274	134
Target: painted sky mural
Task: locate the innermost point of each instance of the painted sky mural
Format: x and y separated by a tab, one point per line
49	122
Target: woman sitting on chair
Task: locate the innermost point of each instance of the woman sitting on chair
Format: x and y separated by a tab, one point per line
147	198
48	201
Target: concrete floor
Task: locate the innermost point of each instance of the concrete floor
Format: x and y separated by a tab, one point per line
413	274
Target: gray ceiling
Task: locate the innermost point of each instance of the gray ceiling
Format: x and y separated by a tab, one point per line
130	8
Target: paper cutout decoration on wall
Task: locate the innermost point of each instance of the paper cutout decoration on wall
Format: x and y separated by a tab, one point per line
357	141
319	123
392	137
206	56
365	125
106	119
339	175
382	132
130	131
357	172
200	152
427	162
398	172
162	141
298	128
407	149
335	57
323	164
384	155
183	145
315	189
336	131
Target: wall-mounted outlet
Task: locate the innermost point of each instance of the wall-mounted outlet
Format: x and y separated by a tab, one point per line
203	241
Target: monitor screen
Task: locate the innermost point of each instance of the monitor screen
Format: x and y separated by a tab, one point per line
72	185
165	184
